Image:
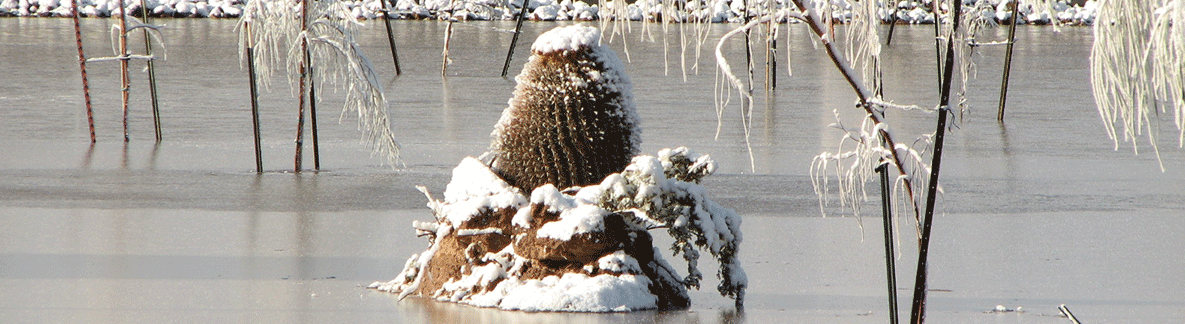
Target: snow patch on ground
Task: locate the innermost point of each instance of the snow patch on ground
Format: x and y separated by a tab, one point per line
652	192
576	292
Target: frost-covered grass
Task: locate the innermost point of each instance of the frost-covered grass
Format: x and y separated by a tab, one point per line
1136	70
911	12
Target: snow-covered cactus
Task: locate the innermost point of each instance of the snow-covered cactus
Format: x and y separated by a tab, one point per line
583	250
571	121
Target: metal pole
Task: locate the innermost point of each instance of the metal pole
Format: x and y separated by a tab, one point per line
86	89
890	266
254	98
390	36
1008	62
151	71
517	30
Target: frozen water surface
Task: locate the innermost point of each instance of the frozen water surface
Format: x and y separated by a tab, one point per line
1037	213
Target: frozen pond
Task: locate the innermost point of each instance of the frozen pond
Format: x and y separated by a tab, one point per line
1038	212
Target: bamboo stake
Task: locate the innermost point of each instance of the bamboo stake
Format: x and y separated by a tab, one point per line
125	81
304	44
890	266
918	312
254	97
517	30
86	90
390	36
151	71
1008	62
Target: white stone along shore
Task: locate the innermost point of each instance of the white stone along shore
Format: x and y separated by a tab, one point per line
907	12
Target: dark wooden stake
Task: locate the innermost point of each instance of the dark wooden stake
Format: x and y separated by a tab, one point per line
1008	62
254	98
390	35
151	71
890	262
86	89
513	41
918	312
125	81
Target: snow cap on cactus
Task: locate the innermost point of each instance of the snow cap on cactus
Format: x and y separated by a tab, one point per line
568	38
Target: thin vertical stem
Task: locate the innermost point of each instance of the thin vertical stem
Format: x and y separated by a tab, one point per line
918	312
254	98
390	35
448	37
748	48
890	263
1008	62
771	48
936	9
513	41
86	89
304	44
151	71
892	24
313	115
125	81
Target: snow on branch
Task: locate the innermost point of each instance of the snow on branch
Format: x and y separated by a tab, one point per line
873	142
1137	66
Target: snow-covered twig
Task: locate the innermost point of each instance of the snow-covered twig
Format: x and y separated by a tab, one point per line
810	16
122	58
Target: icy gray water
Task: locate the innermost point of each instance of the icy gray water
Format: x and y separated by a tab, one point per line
1038	212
